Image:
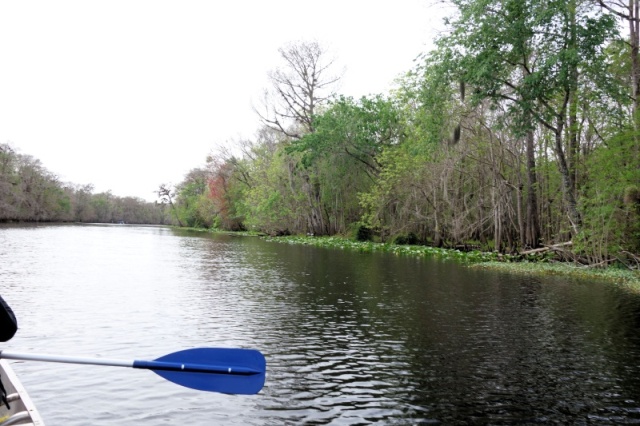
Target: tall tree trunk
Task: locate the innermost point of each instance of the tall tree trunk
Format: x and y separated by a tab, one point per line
634	43
521	221
533	222
567	169
634	39
315	217
573	146
567	179
497	219
437	235
632	15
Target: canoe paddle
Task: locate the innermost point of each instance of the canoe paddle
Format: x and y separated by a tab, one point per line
224	370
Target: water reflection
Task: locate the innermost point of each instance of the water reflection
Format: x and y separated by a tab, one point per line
376	338
349	338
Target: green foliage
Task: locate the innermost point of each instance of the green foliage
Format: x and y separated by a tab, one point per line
427	99
440	159
610	203
339	160
406	239
522	54
510	119
29	192
359	130
193	205
64	202
624	277
361	232
390	205
371	247
472	258
273	204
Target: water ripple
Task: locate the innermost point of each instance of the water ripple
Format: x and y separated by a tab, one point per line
350	338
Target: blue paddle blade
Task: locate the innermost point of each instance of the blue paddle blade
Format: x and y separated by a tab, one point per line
224	370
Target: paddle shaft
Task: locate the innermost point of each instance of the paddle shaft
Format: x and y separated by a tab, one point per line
147	365
65	359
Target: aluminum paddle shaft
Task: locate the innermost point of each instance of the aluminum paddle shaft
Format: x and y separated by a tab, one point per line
225	370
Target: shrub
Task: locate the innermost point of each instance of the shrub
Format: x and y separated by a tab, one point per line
361	232
408	239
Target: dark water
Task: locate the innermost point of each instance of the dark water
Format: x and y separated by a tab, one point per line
350	338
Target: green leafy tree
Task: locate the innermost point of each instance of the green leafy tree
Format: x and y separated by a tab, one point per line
405	196
275	203
340	158
527	55
612	202
194	206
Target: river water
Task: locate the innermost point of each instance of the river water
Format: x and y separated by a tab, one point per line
349	338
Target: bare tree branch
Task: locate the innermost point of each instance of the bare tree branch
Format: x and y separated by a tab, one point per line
299	87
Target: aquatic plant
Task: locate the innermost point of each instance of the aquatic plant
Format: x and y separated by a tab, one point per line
369	247
490	260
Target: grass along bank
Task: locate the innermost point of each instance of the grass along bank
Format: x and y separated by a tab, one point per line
475	259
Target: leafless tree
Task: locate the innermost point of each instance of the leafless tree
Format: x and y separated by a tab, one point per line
302	84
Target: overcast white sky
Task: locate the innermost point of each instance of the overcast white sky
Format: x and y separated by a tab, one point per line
129	94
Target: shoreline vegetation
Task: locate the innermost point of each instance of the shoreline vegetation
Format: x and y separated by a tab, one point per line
509	141
517	138
516	264
477	259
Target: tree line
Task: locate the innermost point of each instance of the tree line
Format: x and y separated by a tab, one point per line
518	133
520	130
29	192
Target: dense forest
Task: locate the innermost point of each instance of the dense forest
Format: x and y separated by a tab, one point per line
30	192
519	130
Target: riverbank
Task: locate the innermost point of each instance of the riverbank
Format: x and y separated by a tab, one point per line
476	259
473	259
